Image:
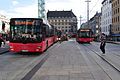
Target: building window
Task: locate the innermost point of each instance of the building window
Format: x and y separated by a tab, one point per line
60	20
66	30
118	18
114	20
118	10
116	2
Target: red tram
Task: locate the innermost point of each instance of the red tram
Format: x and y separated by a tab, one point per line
84	36
30	35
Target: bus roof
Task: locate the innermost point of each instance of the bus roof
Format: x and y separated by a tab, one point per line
25	19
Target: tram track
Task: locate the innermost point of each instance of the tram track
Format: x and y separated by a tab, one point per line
111	53
105	58
102	62
32	72
96	62
110	58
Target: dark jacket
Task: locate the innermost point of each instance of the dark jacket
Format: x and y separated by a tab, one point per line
1	40
103	39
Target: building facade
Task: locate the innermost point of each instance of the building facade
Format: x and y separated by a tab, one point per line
94	24
106	17
116	20
65	21
4	24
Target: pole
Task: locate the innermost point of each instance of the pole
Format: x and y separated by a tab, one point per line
88	12
41	9
80	20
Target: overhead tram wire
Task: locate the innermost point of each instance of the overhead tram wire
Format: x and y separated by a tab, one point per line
94	6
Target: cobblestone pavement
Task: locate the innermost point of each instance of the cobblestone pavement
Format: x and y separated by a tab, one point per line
67	62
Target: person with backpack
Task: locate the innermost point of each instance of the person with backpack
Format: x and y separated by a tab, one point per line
103	43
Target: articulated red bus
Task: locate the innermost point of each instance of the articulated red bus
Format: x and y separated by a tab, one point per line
84	36
30	35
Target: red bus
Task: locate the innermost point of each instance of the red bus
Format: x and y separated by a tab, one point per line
84	36
30	35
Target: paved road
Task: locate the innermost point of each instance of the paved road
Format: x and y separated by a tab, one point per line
66	61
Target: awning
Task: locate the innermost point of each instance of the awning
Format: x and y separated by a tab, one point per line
115	34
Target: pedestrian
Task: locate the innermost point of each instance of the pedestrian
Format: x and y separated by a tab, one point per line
61	39
103	43
1	40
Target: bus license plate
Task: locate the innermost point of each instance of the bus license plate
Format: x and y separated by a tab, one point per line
24	50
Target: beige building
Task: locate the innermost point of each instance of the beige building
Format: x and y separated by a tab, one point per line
115	29
63	20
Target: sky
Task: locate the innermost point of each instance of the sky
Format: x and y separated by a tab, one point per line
29	8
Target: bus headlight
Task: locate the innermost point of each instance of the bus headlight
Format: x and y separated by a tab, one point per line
11	46
39	47
12	49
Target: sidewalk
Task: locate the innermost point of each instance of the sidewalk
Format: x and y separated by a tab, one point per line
64	63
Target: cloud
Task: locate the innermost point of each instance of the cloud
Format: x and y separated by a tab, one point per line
27	11
58	1
14	2
31	10
2	12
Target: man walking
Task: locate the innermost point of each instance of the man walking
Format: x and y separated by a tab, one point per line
103	43
1	40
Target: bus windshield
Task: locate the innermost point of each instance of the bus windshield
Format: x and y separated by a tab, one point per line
25	31
84	34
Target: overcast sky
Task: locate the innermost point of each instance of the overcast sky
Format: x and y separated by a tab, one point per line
28	8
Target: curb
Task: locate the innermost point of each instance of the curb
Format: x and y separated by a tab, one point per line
113	42
3	50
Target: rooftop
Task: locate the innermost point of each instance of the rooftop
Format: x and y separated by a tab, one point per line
60	14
